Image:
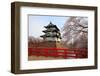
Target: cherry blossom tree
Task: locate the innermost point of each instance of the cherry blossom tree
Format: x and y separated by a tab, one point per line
75	32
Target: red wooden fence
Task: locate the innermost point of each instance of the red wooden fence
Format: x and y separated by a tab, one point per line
58	52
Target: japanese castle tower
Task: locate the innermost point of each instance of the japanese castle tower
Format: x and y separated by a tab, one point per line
52	33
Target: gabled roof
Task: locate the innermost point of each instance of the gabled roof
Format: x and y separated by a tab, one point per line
50	31
50	25
44	36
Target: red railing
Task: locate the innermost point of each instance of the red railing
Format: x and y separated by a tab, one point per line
58	52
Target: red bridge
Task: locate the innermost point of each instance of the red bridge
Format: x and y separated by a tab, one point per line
58	52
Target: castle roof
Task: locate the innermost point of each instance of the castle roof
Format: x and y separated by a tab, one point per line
58	36
51	31
50	25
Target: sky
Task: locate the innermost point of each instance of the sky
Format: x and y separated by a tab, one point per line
37	22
